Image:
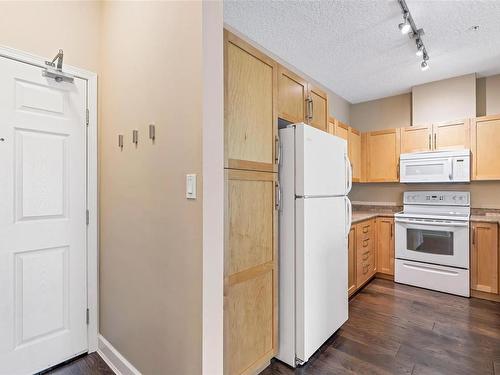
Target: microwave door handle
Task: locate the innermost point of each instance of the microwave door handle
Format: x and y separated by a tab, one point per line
451	169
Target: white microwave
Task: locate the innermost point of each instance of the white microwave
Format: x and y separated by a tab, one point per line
435	166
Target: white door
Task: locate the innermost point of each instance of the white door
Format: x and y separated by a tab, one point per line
321	271
322	165
43	290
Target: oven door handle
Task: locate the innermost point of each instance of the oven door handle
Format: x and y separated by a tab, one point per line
454	224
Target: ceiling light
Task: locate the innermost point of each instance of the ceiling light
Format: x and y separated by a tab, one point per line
424	66
405	27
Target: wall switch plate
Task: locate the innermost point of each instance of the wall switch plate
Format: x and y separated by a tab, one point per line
191	186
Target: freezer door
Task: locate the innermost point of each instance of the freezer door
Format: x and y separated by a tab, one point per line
322	166
321	271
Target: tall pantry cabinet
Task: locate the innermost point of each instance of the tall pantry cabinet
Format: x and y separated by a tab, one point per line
251	195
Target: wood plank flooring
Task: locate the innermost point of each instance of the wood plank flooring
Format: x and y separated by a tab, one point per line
91	364
398	329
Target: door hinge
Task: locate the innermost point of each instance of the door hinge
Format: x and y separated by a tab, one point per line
87	117
87	217
87	314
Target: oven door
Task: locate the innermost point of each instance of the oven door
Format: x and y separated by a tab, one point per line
426	170
441	242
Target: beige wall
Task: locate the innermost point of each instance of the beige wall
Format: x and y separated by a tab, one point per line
151	235
390	112
42	27
444	100
492	88
338	106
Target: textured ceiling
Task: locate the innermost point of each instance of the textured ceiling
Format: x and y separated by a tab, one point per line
354	47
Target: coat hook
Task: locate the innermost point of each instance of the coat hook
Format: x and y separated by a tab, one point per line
135	137
152	132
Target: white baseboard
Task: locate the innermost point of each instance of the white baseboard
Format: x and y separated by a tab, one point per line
114	359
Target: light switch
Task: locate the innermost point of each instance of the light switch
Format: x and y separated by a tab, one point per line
191	186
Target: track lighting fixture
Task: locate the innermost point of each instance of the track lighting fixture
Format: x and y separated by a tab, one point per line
405	27
408	27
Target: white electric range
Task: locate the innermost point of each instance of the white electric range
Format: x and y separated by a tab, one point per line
432	241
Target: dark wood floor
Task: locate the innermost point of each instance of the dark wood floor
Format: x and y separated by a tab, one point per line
398	329
91	364
392	329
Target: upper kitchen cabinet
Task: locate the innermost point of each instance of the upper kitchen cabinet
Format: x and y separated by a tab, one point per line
451	135
382	155
416	139
331	125
341	130
250	110
485	141
317	102
292	96
354	147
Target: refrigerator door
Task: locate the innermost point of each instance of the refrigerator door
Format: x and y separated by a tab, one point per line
322	166
321	271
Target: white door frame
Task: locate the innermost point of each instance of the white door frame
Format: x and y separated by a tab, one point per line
92	184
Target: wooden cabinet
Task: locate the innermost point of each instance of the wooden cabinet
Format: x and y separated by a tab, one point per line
354	147
485	140
366	265
250	271
484	257
317	108
331	126
250	117
449	135
351	278
341	130
292	96
416	139
382	155
385	245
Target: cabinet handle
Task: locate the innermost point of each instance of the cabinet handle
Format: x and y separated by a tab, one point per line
392	230
365	242
473	236
430	145
366	255
365	269
277	188
365	228
312	108
435	143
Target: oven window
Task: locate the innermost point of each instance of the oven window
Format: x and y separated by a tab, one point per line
430	241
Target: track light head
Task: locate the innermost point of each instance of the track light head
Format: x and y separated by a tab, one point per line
424	66
420	49
405	27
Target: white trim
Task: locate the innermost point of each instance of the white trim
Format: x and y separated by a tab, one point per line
114	359
92	184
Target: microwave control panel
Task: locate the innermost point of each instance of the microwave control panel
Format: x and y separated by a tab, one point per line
448	198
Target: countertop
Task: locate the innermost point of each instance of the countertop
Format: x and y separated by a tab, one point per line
362	215
487	217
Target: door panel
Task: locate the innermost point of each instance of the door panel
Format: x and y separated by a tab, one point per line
42	219
385	246
292	92
416	139
485	139
319	109
382	157
321	271
484	257
342	130
354	149
250	99
453	135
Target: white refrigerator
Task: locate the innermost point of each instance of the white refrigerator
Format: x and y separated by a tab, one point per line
315	218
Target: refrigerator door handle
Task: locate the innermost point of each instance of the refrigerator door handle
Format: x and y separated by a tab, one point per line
349	174
349	216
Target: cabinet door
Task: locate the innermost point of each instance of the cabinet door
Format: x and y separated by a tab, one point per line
351	286
250	271
485	140
451	135
250	118
292	93
382	156
331	125
365	252
385	246
318	108
416	139
484	257
354	149
342	130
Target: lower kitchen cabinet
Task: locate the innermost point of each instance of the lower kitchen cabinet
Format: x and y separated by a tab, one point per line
351	274
250	271
385	245
366	265
484	257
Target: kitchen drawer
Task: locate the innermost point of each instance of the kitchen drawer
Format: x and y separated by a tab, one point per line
365	267
365	229
365	244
